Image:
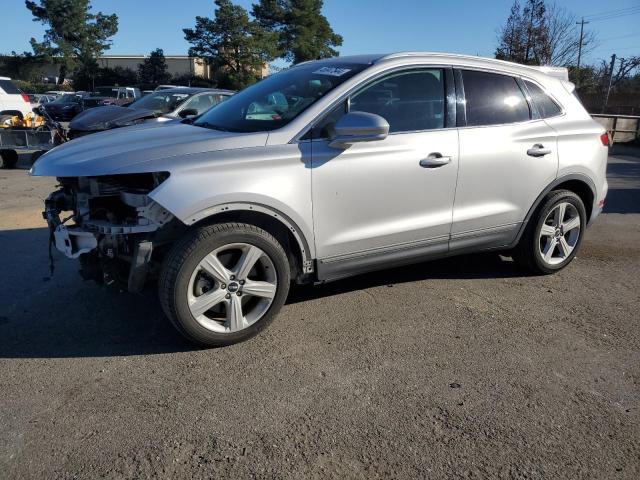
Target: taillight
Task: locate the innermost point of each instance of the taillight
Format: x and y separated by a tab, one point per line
25	97
606	141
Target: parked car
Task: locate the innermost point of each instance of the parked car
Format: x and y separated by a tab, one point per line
163	105
118	95
57	93
65	107
168	87
12	100
374	161
38	99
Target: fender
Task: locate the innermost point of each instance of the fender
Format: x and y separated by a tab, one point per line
565	178
307	254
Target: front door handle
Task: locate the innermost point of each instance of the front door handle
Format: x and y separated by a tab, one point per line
538	150
434	160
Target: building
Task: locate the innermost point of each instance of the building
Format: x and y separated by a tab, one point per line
176	65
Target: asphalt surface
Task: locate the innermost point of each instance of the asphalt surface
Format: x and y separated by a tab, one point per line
464	367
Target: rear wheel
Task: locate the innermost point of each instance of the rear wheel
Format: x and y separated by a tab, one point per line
554	233
8	158
224	283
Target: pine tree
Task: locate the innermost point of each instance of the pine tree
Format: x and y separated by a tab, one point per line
74	36
153	70
303	32
235	46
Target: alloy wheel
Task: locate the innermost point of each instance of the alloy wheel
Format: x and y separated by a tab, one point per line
232	287
559	233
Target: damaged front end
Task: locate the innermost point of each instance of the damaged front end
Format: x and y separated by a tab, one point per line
116	230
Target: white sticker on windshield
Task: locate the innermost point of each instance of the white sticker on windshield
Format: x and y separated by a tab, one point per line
333	71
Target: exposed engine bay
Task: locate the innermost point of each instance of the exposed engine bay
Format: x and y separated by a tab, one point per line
113	226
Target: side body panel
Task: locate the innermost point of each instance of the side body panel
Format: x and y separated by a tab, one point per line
498	182
277	178
373	198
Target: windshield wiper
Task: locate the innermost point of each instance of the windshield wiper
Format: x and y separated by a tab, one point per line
211	126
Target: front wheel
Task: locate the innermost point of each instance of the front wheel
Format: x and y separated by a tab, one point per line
554	233
224	283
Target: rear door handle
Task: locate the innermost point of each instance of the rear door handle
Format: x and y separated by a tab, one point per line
538	150
434	160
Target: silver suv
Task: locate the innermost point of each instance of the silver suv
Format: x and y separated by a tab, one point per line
329	169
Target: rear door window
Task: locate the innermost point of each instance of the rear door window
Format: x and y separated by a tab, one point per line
545	106
9	87
493	99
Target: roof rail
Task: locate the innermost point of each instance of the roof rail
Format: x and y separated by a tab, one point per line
558	72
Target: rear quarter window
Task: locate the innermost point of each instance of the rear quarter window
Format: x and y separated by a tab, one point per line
9	87
545	106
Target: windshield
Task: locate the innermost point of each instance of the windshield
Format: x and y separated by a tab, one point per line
160	102
277	100
69	98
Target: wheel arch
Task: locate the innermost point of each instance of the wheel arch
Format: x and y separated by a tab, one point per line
283	228
577	183
17	113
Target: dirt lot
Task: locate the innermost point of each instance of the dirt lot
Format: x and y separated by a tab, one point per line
457	368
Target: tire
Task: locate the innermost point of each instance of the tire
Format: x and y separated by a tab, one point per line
8	158
192	277
550	251
6	119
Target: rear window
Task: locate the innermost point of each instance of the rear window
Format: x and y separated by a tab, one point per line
493	99
9	87
542	102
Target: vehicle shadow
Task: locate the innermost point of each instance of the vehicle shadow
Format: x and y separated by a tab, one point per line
465	267
61	316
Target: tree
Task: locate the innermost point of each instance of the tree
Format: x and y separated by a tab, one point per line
75	36
511	46
89	79
303	32
524	38
541	34
25	66
563	37
153	70
235	46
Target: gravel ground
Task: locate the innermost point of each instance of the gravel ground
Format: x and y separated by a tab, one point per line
458	368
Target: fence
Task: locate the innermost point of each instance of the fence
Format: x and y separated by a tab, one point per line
623	128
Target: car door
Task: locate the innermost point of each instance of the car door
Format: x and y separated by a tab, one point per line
507	158
392	199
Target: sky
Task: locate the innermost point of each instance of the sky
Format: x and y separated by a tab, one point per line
367	26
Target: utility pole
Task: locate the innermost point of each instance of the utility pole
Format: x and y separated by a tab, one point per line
606	100
582	23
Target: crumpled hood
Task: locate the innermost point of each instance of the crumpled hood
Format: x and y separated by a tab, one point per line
104	118
149	147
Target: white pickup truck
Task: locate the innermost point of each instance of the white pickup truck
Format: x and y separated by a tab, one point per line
12	100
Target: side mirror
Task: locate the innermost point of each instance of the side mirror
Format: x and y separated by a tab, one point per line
188	112
355	127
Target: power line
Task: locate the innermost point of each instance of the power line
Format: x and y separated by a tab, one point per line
621	11
618	37
611	17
